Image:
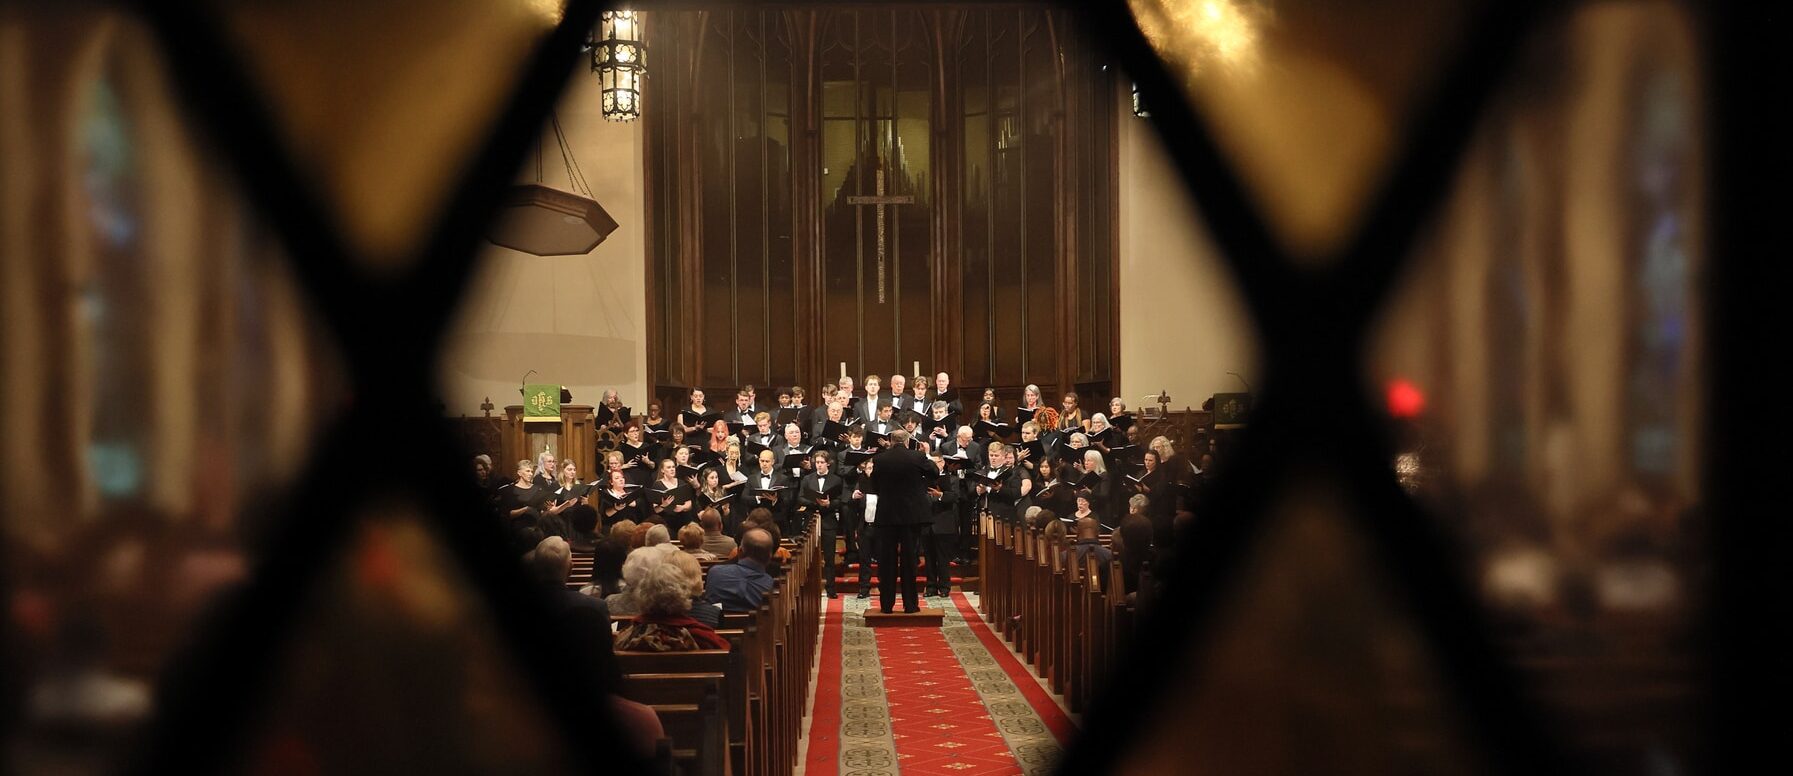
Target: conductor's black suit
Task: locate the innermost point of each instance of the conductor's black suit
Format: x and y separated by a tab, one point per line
900	477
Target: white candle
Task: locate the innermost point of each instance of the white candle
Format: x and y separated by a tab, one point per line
917	370
843	369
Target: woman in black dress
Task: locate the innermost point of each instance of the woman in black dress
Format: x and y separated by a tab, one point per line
697	409
985	412
1101	488
653	421
1050	491
633	437
569	494
520	502
713	494
615	501
670	499
1160	490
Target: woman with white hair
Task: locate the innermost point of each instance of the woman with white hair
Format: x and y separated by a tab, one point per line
663	621
482	473
1098	432
547	471
657	535
1030	403
1100	485
640	561
1177	468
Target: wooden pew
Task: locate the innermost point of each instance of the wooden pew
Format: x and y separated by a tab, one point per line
760	686
686	690
1066	619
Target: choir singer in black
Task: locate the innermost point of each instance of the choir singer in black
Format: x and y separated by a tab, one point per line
821	496
900	476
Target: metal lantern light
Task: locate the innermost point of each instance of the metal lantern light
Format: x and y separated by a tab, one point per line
619	57
1139	108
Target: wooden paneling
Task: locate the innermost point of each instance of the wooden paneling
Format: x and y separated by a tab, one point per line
1000	267
573	439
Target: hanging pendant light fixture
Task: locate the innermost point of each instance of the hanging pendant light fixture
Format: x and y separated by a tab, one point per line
1139	108
619	57
546	221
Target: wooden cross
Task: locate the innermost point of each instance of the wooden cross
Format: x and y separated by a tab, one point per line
879	200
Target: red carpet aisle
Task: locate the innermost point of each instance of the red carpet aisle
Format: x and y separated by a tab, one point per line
924	701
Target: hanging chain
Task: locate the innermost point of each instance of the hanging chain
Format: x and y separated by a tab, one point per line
575	176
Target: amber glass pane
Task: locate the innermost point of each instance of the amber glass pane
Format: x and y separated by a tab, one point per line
396	668
385	102
1313	666
1308	96
163	375
1541	366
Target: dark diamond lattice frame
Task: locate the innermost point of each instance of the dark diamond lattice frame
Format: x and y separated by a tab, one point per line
1312	323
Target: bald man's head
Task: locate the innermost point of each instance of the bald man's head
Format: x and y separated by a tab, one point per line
758	544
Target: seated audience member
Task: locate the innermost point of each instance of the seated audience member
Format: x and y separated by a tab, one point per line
741	586
1055	535
584	536
655	535
1044	517
691	542
1089	541
701	611
590	620
762	519
1133	545
663	621
1032	516
1139	504
1170	552
525	538
552	562
641	561
607	560
715	541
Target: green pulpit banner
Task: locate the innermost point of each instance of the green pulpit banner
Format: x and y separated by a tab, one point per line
1230	409
541	403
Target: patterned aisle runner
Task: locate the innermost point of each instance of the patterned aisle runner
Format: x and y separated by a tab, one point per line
924	701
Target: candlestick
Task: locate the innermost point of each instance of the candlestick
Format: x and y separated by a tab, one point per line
917	370
843	369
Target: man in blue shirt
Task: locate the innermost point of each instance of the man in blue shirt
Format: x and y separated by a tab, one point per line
741	586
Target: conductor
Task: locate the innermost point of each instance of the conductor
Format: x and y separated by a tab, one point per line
900	477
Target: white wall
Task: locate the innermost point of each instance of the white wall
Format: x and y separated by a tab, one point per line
580	321
1183	325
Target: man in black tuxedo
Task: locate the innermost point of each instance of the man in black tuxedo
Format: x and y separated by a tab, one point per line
867	411
821	494
900	476
766	476
743	412
943	530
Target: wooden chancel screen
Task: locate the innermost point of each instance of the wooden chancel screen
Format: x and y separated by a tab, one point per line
880	188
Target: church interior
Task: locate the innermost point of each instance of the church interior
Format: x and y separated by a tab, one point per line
702	387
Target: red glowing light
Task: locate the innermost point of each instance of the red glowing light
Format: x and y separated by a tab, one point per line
1405	400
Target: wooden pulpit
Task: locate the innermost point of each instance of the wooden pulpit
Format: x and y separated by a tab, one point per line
572	439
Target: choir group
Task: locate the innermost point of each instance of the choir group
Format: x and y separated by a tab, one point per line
794	458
